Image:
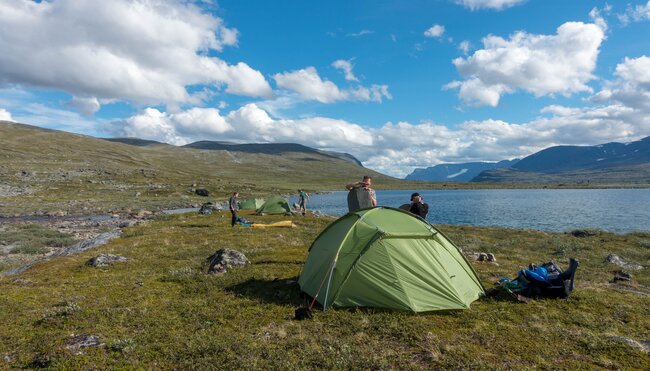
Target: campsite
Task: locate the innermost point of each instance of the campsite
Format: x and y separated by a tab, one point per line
160	309
324	185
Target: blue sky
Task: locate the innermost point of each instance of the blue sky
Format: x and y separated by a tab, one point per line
398	84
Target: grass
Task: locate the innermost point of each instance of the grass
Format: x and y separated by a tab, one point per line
160	310
34	239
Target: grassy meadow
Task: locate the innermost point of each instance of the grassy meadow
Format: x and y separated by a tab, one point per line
160	310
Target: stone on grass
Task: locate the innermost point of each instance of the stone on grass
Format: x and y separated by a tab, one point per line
621	276
82	341
615	259
202	192
483	257
104	260
223	259
207	208
641	345
582	233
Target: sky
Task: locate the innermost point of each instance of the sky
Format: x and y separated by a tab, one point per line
397	84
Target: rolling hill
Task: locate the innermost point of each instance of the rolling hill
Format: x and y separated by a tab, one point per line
43	170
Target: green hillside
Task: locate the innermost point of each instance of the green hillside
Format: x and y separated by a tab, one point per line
44	170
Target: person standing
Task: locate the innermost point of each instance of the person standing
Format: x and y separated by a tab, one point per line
418	206
234	207
368	198
302	201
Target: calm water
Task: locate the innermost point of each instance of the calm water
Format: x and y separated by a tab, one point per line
616	210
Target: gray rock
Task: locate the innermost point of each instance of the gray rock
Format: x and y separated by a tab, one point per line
202	192
82	341
127	224
223	259
621	276
207	208
615	259
104	260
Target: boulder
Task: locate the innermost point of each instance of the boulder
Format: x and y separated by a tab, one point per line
621	276
615	259
207	208
202	192
582	233
82	341
104	260
223	259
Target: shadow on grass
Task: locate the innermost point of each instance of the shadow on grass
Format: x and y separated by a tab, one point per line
280	292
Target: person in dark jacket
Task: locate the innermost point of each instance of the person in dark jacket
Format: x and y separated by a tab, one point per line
234	207
418	206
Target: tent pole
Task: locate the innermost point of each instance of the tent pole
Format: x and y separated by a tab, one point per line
329	282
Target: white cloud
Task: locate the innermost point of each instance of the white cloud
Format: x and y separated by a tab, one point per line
488	4
632	86
87	106
144	51
435	31
363	32
464	46
246	124
5	115
309	85
346	67
637	13
397	149
539	64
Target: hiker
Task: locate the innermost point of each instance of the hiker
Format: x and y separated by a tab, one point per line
418	206
234	207
302	201
361	194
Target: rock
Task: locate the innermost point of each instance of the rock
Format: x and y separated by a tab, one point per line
57	213
104	260
207	208
202	192
137	194
142	214
615	259
582	233
483	257
621	276
223	259
82	341
126	224
491	258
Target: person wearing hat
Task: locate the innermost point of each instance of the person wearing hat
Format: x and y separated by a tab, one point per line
418	206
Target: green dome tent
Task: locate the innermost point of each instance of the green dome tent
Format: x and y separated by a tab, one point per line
388	258
274	205
251	204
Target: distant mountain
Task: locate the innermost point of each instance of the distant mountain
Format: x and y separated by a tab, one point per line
270	149
610	162
464	172
136	142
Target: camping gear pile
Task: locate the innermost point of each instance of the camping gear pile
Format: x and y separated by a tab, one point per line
387	258
544	281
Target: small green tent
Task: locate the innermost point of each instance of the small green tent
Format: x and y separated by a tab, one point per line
388	258
251	204
274	205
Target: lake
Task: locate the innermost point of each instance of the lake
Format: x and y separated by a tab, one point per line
615	210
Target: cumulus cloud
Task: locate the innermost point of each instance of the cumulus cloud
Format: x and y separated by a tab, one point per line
539	64
310	86
145	51
435	31
246	124
5	115
87	106
464	46
488	4
346	67
631	87
397	148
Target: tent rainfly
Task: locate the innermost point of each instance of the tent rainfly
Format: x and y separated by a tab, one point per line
251	204
274	205
388	258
